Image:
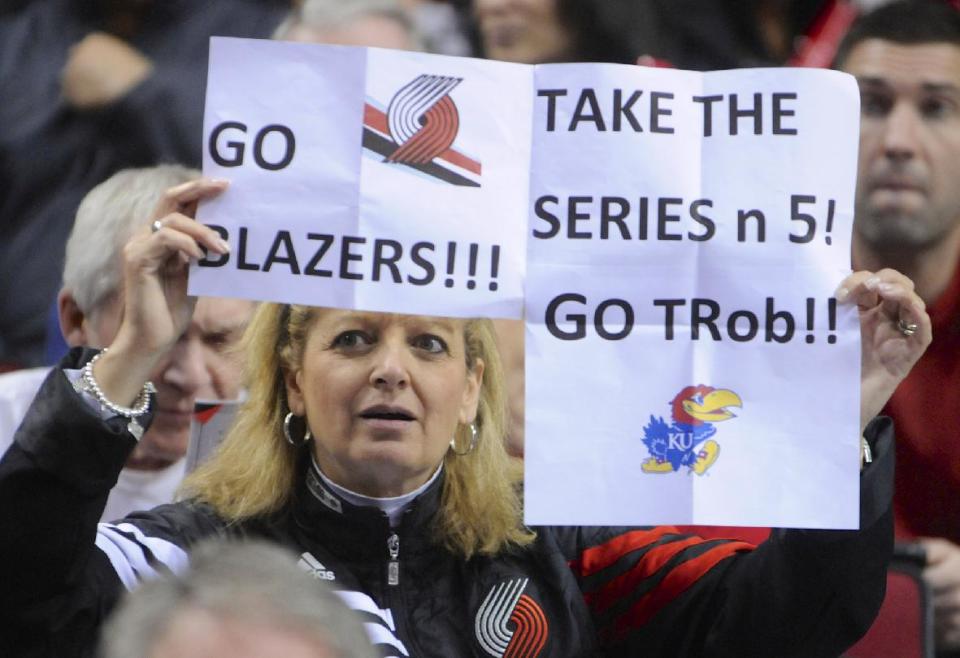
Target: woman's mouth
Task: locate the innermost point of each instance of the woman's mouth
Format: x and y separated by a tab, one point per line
387	417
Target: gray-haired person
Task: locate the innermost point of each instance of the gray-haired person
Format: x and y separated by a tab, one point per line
91	305
236	600
379	23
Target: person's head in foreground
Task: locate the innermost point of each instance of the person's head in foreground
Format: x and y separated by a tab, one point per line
91	307
236	600
906	58
387	399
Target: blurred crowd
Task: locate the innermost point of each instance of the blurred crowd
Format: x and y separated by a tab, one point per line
88	89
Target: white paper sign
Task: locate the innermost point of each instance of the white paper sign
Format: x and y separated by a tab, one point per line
673	239
686	362
367	178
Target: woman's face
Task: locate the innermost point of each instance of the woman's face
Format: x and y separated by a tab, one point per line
383	395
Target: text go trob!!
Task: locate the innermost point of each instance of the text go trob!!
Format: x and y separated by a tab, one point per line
571	316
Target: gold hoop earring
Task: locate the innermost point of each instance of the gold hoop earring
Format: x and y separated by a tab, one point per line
474	437
288	434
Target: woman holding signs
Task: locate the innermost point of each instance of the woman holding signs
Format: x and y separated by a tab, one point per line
372	445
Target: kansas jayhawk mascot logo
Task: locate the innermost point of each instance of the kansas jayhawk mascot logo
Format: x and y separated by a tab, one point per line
687	441
511	624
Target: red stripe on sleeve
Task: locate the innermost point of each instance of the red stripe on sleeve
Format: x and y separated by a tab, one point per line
622	585
673	585
600	557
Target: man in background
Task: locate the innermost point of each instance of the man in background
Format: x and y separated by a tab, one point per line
906	58
199	366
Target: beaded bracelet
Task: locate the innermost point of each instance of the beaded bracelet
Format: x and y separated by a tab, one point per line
141	404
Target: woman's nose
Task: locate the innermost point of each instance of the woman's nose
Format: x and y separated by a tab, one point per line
389	368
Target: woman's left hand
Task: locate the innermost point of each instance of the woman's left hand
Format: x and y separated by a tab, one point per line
894	333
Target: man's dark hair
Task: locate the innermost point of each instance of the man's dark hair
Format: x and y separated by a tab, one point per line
906	22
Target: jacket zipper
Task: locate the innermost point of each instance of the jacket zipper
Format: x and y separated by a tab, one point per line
394	595
393	564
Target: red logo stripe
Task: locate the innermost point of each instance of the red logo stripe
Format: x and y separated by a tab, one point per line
531	630
377	120
672	586
436	136
460	160
600	557
374	118
445	113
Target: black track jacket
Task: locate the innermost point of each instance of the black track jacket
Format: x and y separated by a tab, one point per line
577	591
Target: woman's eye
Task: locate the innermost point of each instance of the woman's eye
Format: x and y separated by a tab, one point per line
430	344
352	339
217	340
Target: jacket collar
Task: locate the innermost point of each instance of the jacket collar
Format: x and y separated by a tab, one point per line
326	518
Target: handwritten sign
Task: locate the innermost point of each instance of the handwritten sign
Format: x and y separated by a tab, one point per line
673	240
686	360
367	178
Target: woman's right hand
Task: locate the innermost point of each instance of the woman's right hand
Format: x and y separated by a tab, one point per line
157	309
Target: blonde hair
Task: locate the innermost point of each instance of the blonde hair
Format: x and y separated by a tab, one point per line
254	471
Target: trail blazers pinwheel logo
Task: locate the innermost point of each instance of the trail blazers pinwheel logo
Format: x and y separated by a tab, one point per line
688	440
418	130
509	623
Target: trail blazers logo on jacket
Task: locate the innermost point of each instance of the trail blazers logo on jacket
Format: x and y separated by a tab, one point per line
509	623
418	130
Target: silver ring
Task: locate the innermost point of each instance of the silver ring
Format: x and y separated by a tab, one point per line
906	328
156	226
